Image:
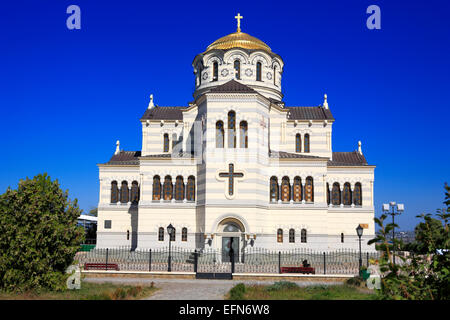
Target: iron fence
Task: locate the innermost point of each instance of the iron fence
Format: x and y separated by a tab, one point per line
250	260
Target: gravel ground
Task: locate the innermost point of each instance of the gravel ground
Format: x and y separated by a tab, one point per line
189	289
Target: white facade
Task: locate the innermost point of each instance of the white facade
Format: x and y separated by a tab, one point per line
186	142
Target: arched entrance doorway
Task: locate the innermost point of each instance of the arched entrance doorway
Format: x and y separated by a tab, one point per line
230	231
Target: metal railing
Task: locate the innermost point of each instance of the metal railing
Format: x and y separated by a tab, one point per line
249	260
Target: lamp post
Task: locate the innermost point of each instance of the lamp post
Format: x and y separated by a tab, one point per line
393	209
359	232
170	230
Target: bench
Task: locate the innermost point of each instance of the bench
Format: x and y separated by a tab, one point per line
306	270
101	266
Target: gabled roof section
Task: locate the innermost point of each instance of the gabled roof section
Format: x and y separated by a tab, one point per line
125	158
288	155
233	86
353	158
309	113
164	113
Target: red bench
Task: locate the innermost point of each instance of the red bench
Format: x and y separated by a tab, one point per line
101	266
298	270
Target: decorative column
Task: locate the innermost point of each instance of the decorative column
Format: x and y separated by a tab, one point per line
352	188
341	187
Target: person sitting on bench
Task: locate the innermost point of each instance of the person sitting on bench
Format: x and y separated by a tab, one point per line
306	264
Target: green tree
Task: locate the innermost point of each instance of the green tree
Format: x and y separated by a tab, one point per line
424	276
38	235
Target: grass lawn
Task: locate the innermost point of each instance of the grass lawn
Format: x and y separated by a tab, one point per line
290	291
88	291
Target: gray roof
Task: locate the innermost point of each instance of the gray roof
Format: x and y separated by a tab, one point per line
288	155
164	113
353	158
231	87
125	158
309	113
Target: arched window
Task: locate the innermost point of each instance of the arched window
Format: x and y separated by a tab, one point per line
285	189
124	192
306	141
215	71
347	194
231	129
358	194
336	194
161	234
303	236
243	134
342	237
298	143
273	189
328	194
179	188
237	68
114	192
297	189
275	75
190	190
184	234
309	190
168	188
166	142
134	192
173	234
258	71
156	188
219	134
291	235
280	235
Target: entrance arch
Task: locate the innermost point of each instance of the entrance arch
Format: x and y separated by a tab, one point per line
231	238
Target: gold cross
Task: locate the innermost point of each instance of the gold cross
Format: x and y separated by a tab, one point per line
238	18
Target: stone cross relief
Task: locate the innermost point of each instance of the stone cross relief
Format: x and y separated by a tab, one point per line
231	175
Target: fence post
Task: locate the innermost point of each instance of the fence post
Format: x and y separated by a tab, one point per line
324	264
150	260
106	262
232	263
195	260
279	261
367	259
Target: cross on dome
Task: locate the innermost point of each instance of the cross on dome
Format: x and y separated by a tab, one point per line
238	18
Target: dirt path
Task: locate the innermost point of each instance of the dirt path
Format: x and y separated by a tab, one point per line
187	289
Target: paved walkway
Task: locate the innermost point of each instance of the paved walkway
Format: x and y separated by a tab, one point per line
189	289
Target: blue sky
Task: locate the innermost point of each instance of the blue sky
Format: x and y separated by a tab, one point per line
68	95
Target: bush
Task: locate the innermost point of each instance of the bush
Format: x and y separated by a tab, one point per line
237	292
355	282
38	235
282	285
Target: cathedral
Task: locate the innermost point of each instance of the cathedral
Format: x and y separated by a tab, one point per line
236	166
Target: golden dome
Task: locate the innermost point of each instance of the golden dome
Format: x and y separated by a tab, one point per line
238	40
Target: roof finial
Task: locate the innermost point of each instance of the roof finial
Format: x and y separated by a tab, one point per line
238	18
325	103
359	147
117	147
151	105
